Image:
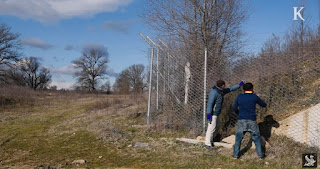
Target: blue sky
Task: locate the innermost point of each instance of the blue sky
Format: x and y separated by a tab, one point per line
276	16
57	30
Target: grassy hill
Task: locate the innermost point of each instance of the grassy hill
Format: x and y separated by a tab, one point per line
52	129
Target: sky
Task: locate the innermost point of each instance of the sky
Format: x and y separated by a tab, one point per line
56	31
267	17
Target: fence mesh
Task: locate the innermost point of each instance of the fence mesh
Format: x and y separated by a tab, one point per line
288	81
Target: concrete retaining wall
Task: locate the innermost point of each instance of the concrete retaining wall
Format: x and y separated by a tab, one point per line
303	127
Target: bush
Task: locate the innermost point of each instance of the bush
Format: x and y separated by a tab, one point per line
12	94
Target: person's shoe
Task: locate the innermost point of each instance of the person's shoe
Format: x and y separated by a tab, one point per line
209	147
234	157
261	158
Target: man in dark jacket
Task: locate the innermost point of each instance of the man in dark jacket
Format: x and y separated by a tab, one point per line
245	105
214	108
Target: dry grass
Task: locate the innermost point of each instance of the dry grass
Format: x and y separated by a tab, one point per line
58	128
11	94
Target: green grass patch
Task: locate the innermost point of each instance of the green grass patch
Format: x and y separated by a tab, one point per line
58	129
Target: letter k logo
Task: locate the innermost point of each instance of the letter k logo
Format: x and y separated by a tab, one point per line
297	13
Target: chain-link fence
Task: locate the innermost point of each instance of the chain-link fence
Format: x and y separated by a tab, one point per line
289	82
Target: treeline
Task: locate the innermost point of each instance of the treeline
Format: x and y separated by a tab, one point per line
91	69
16	70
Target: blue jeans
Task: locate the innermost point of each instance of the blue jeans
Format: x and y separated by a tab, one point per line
252	127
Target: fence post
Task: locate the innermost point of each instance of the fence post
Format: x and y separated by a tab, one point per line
168	71
150	77
187	81
204	89
150	81
157	101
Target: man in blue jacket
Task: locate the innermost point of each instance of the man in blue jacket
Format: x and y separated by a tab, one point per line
214	108
245	105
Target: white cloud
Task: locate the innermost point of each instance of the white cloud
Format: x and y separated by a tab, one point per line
54	10
59	76
63	84
36	43
112	73
66	70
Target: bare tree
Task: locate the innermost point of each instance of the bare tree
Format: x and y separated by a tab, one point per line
53	87
131	80
122	84
214	24
29	72
9	45
136	76
107	87
196	26
92	67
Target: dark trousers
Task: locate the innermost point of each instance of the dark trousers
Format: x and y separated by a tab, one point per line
248	126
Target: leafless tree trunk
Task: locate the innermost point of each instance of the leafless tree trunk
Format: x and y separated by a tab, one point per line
92	66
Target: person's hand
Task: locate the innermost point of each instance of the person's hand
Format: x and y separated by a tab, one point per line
241	83
209	117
